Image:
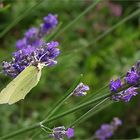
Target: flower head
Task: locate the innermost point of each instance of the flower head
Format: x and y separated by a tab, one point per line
107	130
115	85
116	122
34	36
125	95
104	132
132	77
45	54
60	132
116	9
21	43
50	21
81	90
70	133
128	94
129	87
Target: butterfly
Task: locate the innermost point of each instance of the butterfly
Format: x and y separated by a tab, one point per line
22	84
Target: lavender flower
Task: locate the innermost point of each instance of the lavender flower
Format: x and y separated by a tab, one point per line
128	94
115	85
34	36
132	77
21	43
50	22
107	130
70	133
104	132
129	87
116	122
60	132
81	90
116	9
125	95
45	54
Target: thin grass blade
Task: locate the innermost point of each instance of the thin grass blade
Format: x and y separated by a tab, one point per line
19	18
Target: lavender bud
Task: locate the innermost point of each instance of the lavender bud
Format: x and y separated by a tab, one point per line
81	90
115	85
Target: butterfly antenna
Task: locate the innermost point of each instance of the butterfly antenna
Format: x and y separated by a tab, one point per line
42	56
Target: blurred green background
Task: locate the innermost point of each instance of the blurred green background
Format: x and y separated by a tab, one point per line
82	52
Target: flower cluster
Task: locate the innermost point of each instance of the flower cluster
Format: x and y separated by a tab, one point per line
60	132
107	130
81	90
45	54
32	49
128	88
34	36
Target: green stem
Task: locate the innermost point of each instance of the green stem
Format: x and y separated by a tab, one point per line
51	36
106	32
76	108
48	132
69	93
77	18
89	111
95	93
97	110
35	126
19	18
116	25
8	136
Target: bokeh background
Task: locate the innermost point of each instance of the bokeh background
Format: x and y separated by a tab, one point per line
83	51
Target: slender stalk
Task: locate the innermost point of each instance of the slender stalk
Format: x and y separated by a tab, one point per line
37	125
20	131
48	132
46	128
95	93
116	25
19	18
76	108
51	36
69	93
102	35
83	105
77	18
89	111
96	111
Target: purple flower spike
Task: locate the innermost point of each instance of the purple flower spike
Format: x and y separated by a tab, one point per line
31	33
104	132
70	133
132	77
60	132
50	21
45	54
21	43
107	130
81	90
125	95
116	122
115	85
128	94
34	36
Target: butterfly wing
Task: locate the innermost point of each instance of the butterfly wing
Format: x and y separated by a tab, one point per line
20	86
